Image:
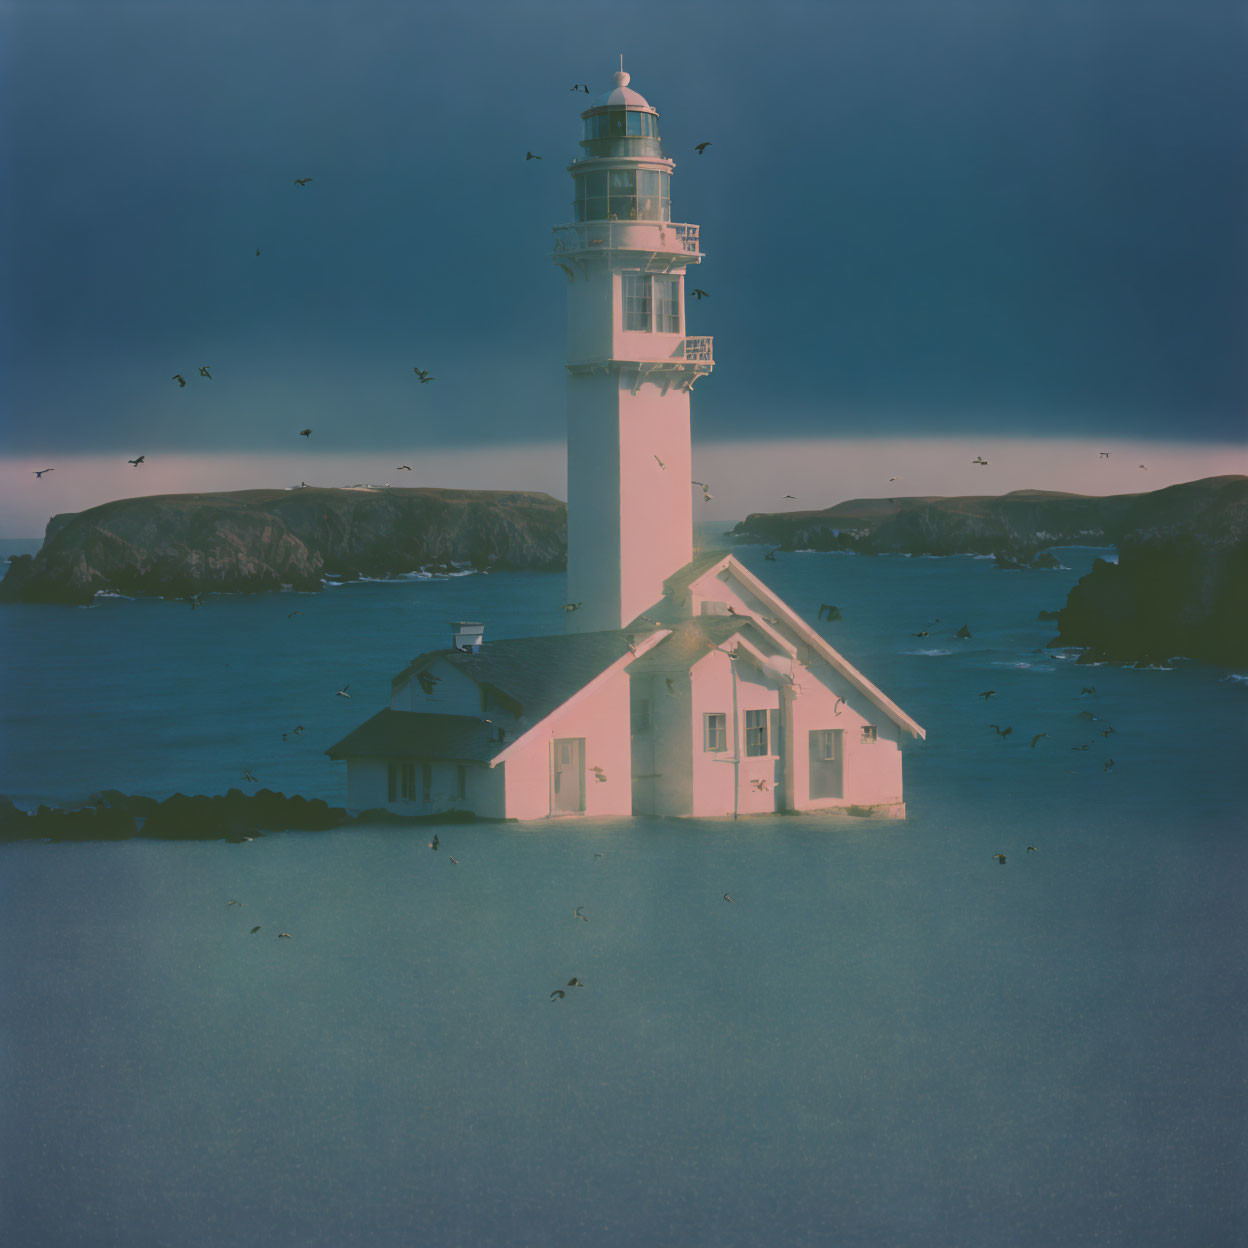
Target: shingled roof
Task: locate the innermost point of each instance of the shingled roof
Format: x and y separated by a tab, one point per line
412	734
538	674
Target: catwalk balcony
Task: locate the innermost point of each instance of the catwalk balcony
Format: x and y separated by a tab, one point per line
690	359
665	244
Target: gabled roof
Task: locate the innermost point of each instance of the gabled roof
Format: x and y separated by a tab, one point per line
690	640
681	583
538	674
413	734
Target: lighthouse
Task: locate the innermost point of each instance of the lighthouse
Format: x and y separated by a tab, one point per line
630	366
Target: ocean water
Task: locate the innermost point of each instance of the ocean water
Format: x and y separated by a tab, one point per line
886	1038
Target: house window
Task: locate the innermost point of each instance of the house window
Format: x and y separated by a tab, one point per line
714	732
714	608
825	745
641	716
755	733
461	782
667	305
869	734
402	782
426	782
635	292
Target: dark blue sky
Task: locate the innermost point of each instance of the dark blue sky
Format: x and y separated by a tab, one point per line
938	217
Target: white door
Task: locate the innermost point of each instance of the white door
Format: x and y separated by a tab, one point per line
567	763
826	753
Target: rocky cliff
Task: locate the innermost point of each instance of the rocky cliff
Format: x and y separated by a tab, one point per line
175	545
1180	586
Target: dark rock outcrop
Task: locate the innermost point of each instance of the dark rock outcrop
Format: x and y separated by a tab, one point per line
176	545
1180	586
233	816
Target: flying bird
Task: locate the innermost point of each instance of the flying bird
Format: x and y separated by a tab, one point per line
1037	738
302	181
701	147
572	606
284	936
342	693
660	463
530	156
558	992
1001	732
1031	849
1104	454
453	859
179	379
427	680
403	468
255	929
792	496
671	686
761	784
987	693
924	633
894	478
983	463
1105	733
1142	466
257	251
576	983
1109	762
249	778
599	774
305	433
964	631
576	914
136	462
297	730
1000	858
1087	691
433	844
290	615
40	471
1081	747
836	706
699	294
726	897
203	371
580	86
233	903
770	556
833	612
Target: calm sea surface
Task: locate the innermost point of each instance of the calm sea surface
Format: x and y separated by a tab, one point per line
887	1038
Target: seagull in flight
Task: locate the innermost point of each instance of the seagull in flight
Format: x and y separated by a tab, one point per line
203	371
983	463
792	496
701	147
248	777
40	471
659	462
1037	738
403	468
302	181
572	606
531	156
726	897
579	86
342	693
180	380
699	294
705	488
1000	858
1104	454
136	462
305	433
987	693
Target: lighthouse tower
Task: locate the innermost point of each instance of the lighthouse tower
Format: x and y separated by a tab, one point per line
630	366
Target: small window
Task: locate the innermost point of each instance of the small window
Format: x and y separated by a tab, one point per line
641	716
755	733
461	782
714	732
635	296
426	782
869	734
667	305
826	745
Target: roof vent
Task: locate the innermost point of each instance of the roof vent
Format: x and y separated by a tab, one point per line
467	635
